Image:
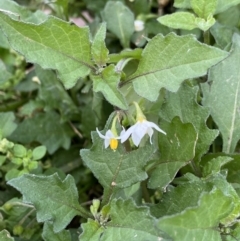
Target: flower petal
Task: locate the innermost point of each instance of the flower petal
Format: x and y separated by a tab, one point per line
151	124
109	134
136	138
100	134
126	135
106	143
150	133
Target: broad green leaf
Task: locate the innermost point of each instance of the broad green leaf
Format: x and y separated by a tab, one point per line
177	148
7	124
116	169
204	8
52	44
221	183
49	235
201	222
53	94
99	49
183	104
222	5
222	97
54	199
107	82
179	20
5	236
44	128
203	24
92	230
167	61
214	165
120	21
171	204
130	222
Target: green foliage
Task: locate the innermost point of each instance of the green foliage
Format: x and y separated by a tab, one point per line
119	120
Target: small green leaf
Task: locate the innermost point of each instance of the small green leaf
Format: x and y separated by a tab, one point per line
5	236
92	230
203	24
167	61
215	164
7	124
44	128
120	21
222	5
177	148
184	104
19	150
52	44
99	50
204	8
107	82
201	222
39	152
222	97
49	235
53	198
179	20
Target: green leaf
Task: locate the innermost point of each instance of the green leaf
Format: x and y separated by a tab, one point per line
116	169
54	199
201	222
167	61
203	24
7	124
107	82
20	12
222	5
179	20
171	204
204	8
183	104
39	152
49	235
5	74
214	165
221	183
92	230
128	222
177	148
99	49
53	94
222	97
19	150
52	44
5	236
44	128
120	21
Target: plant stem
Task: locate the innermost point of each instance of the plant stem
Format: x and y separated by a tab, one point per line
206	36
145	192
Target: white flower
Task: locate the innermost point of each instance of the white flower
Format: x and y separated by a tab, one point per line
110	139
138	131
138	25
